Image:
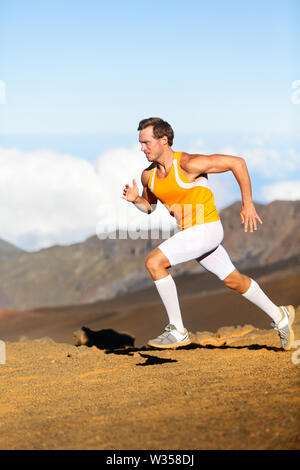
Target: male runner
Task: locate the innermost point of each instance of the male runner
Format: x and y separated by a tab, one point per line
179	180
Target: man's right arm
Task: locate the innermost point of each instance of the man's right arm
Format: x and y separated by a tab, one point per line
145	203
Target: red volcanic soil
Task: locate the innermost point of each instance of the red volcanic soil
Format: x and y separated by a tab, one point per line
235	390
232	388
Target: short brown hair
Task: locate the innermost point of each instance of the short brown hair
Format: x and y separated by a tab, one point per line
161	128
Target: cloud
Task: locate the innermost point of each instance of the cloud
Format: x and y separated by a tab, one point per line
49	198
46	197
271	163
268	162
197	147
283	190
262	158
264	163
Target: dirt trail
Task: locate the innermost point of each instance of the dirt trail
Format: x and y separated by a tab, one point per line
232	390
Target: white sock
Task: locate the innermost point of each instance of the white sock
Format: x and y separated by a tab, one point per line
167	290
259	298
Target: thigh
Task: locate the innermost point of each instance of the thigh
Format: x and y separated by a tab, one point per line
217	262
192	242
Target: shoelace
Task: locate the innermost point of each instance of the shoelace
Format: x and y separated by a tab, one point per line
283	334
167	331
273	324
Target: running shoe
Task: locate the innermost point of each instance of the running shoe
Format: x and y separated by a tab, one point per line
170	338
284	326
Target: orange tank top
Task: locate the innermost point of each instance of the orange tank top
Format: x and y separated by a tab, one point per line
190	202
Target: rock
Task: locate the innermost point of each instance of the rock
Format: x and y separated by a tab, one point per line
45	339
224	335
231	331
206	338
80	337
103	339
23	338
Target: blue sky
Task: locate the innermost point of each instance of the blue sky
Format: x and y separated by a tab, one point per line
97	67
79	75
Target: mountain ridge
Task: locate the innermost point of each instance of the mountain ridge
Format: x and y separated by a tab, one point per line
100	269
8	250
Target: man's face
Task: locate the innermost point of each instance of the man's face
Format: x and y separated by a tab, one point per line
153	148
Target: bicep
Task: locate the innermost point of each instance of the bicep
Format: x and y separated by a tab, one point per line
214	163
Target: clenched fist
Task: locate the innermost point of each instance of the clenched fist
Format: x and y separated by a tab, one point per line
131	193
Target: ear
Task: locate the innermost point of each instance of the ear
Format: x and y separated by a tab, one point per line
164	140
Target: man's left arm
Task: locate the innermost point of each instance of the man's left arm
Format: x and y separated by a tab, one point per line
221	163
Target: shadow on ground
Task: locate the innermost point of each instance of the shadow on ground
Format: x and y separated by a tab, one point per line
113	342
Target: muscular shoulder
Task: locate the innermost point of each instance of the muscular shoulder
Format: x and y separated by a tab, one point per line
191	164
184	160
187	159
146	174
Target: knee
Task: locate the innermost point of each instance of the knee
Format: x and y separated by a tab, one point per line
156	260
237	281
151	262
233	280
